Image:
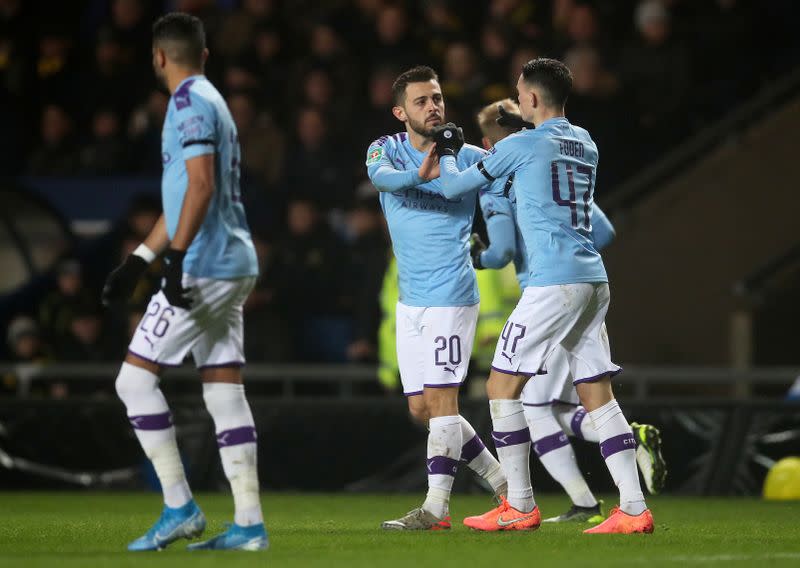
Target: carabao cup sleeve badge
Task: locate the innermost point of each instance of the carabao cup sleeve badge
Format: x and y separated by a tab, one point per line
374	155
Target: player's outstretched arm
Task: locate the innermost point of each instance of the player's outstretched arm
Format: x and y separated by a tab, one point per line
502	241
382	173
603	231
456	183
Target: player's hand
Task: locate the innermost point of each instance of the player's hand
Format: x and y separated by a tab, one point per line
172	285
477	246
512	120
449	139
122	281
429	169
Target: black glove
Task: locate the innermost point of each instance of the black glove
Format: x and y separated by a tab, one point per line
449	139
122	281
511	120
476	247
172	285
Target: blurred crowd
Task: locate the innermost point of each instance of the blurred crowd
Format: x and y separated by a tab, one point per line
309	86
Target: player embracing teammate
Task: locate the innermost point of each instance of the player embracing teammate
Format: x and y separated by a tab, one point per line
558	323
565	301
438	307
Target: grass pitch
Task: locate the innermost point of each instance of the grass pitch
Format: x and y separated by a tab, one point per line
63	530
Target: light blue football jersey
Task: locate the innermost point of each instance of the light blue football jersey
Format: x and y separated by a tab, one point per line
198	122
499	207
430	233
554	167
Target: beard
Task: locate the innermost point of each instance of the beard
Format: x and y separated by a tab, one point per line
422	128
161	80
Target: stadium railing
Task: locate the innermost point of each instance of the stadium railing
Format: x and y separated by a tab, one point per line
638	383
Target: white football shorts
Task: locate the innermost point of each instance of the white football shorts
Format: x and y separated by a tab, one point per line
555	386
212	330
567	315
434	345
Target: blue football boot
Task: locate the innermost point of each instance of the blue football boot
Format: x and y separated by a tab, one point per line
183	522
236	537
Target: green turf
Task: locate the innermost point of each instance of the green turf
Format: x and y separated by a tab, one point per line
63	530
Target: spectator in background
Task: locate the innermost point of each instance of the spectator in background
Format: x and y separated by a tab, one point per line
462	84
58	307
144	131
115	82
314	167
132	30
87	339
265	324
519	58
394	44
260	139
107	152
442	27
655	72
595	104
377	116
329	51
54	69
238	31
582	29
306	275
496	41
267	60
320	93
25	341
369	255
56	156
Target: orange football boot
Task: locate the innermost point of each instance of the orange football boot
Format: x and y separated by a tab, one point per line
505	518
620	522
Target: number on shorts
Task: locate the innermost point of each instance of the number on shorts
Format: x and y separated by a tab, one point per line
507	332
453	348
572	202
162	323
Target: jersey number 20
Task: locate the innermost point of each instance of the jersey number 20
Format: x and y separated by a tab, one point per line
571	201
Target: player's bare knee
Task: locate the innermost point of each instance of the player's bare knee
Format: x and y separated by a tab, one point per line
441	401
505	386
595	394
418	410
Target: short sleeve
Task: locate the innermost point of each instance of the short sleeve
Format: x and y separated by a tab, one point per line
195	121
503	159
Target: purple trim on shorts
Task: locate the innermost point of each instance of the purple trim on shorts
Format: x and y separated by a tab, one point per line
236	436
551	403
472	449
598	377
516	373
564	402
415	393
550	443
445	386
132	352
441	465
617	444
151	421
237	364
503	439
537	404
577	420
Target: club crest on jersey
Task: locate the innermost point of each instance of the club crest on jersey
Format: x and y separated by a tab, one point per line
374	155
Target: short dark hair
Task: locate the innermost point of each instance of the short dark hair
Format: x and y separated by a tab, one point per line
182	38
418	74
552	76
